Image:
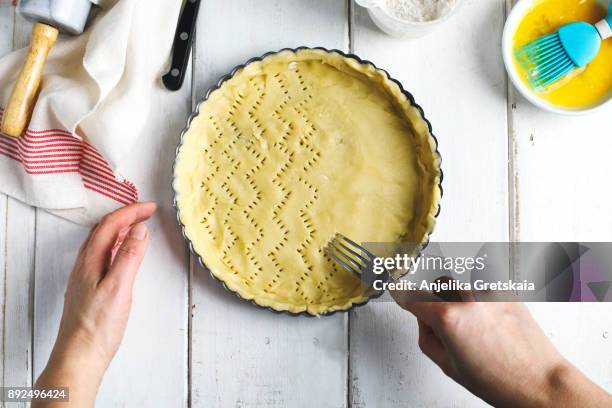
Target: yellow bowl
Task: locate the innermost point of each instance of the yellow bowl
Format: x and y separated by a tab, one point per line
516	16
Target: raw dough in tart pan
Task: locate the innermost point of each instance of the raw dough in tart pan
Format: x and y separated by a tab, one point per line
290	150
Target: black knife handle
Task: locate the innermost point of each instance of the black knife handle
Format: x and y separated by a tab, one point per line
183	39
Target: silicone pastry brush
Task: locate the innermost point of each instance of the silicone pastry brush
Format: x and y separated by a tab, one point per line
550	58
50	16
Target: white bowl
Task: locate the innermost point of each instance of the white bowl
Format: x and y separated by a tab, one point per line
514	19
396	27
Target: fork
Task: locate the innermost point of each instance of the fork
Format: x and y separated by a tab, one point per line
355	259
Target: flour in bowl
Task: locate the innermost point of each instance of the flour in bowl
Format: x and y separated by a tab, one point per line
419	10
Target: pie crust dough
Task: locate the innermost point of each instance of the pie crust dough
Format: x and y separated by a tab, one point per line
290	150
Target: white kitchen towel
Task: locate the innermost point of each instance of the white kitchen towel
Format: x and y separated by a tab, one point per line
93	104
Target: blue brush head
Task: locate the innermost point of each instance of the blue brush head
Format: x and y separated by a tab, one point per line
550	58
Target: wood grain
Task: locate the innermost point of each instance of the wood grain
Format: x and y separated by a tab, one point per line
18	289
57	244
6	27
461	85
389	370
559	189
561	175
550	185
140	366
17	226
243	356
150	369
3	319
7	12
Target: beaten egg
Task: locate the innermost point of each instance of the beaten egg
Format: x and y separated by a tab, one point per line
583	87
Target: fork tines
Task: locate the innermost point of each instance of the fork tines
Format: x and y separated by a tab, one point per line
350	255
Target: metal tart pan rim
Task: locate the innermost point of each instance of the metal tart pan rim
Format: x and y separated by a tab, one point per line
229	76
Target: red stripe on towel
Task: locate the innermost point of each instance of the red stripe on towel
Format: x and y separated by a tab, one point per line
57	151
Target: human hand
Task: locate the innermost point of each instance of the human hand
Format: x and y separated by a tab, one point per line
498	352
97	303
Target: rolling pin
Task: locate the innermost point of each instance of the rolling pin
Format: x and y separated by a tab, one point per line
49	17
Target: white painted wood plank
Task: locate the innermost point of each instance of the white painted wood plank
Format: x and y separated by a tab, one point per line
57	244
19	254
7	11
462	88
562	173
231	32
21	238
18	288
246	357
3	255
150	369
21	32
560	178
6	28
389	370
243	356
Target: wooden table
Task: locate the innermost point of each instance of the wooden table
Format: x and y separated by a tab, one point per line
511	172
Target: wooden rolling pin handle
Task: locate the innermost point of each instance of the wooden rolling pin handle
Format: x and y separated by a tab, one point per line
17	113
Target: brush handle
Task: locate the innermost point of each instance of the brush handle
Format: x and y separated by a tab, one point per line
604	27
18	111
